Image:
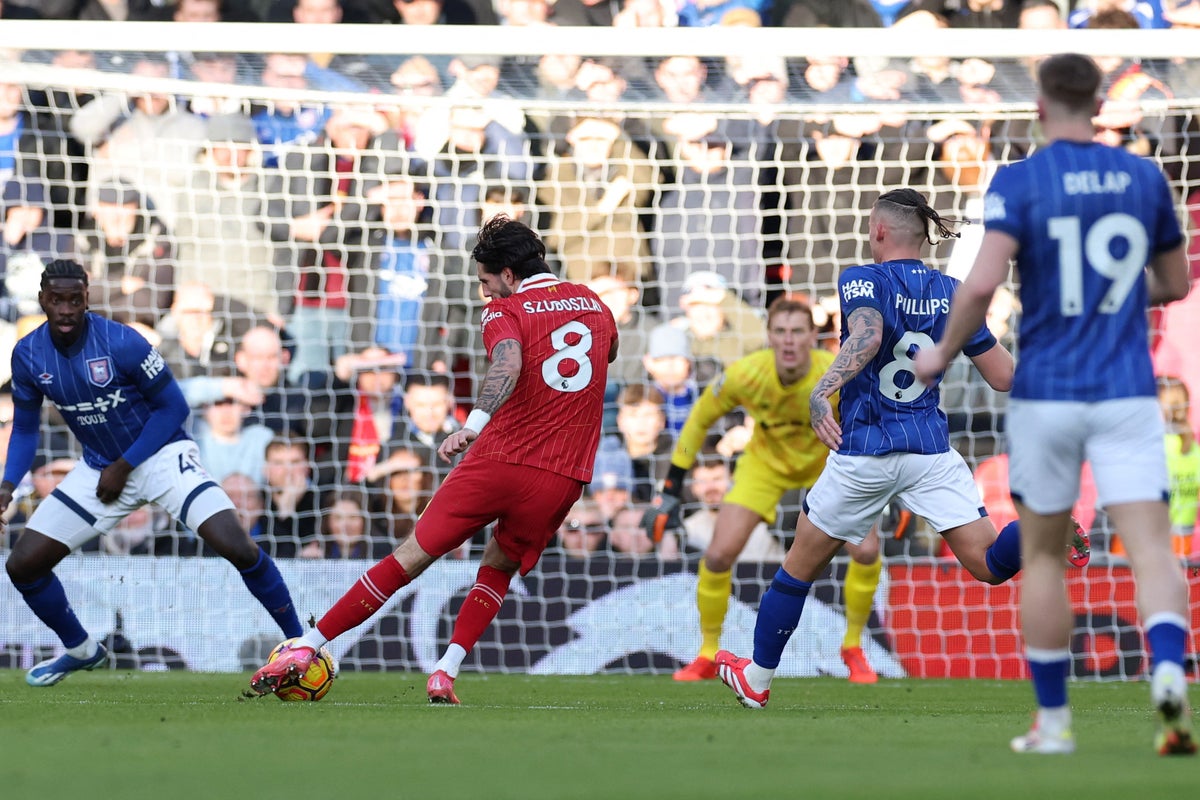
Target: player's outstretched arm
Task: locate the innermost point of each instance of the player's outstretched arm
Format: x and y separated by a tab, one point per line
864	334
969	307
498	386
996	366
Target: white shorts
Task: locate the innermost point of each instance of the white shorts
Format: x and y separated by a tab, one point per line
172	478
853	490
1049	440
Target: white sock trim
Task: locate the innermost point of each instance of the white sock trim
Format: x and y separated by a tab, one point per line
84	650
314	639
1044	656
758	677
452	660
1166	617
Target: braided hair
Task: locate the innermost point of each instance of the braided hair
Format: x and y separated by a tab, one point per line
911	203
64	268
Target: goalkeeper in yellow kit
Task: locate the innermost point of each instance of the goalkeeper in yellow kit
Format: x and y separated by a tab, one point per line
773	387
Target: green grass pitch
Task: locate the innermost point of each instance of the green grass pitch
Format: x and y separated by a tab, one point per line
130	735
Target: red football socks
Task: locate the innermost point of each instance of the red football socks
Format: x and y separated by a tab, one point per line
481	606
364	598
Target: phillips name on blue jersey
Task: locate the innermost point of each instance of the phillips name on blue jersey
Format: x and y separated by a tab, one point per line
1087	218
885	409
103	385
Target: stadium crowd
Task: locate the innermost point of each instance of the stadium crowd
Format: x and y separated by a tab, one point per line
302	266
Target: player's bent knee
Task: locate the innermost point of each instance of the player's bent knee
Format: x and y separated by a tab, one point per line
719	559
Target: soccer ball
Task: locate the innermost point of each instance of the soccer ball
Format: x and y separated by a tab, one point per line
313	684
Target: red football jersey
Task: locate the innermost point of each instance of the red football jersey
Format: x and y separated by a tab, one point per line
552	419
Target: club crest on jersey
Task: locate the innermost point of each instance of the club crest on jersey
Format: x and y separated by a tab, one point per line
100	371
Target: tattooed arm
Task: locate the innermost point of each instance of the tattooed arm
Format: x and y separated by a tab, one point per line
498	386
501	376
865	334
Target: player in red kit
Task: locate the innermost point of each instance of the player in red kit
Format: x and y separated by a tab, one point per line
532	436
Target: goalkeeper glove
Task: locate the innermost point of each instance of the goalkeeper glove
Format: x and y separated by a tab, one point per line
665	511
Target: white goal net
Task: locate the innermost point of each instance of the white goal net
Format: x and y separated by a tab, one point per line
288	212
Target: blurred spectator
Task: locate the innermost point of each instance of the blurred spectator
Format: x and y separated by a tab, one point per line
45	474
405	312
366	419
584	531
344	528
223	214
144	139
219	70
317	210
638	14
131	257
476	82
1183	462
226	446
627	536
292	509
421	126
285	123
612	477
249	502
606	80
708	219
461	12
596	194
972	13
1144	14
720	328
196	11
585	12
408	486
478	153
428	412
668	362
681	80
200	334
706	13
830	195
642	424
620	293
27	243
711	480
330	71
135	533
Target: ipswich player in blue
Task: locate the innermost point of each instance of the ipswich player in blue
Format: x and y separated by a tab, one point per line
1083	221
893	441
122	403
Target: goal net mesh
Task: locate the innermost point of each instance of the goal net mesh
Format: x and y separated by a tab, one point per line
222	184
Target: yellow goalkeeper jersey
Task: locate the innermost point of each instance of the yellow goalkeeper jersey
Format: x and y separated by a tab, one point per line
783	439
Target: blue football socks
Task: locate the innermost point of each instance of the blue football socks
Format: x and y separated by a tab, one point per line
266	584
1049	670
778	615
47	599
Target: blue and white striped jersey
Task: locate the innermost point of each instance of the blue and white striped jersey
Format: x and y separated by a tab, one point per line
885	409
1087	219
100	385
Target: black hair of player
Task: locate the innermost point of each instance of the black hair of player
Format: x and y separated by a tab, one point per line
504	242
1071	80
63	268
936	226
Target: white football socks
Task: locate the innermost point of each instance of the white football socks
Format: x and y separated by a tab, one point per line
452	660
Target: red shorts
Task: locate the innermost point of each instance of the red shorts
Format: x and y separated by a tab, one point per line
527	504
